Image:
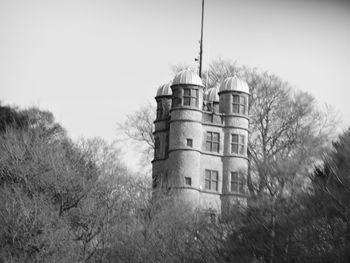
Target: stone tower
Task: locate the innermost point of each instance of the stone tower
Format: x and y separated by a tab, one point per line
201	142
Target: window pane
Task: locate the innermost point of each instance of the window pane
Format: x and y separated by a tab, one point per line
214	175
195	93
193	101
189	142
207	184
242	109
235	99
208	146
234	138
215	147
177	93
241	188
214	185
235	108
241	150
234	176
166	145
187	101
157	148
242	100
215	137
207	174
234	187
241	139
234	148
187	92
208	136
176	102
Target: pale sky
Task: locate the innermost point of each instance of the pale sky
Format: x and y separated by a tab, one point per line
93	62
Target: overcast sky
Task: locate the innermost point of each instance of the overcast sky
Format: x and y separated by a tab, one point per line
93	62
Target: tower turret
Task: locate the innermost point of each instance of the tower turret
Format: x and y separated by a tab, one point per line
186	134
161	135
234	94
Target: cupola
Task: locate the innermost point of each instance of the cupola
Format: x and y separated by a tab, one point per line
164	90
234	84
187	77
212	94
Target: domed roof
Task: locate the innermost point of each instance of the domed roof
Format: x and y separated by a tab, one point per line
234	83
187	77
164	90
212	94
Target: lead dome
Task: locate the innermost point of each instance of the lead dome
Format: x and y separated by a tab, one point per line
164	90
187	77
212	94
234	84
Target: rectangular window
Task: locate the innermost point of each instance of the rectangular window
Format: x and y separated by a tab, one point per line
189	142
188	181
190	97
239	104
167	146
176	98
237	183
213	142
238	144
159	109
156	148
211	180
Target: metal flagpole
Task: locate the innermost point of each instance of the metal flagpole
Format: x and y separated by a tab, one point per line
201	43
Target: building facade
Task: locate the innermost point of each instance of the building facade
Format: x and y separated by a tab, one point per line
201	142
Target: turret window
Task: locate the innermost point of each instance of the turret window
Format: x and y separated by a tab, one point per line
159	109
211	180
190	97
167	146
237	183
156	148
213	142
239	104
177	98
238	144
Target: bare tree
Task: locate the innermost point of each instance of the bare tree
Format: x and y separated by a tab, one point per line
138	127
288	135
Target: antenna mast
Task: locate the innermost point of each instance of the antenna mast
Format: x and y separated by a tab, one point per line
201	43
